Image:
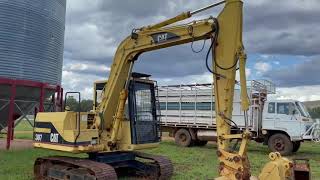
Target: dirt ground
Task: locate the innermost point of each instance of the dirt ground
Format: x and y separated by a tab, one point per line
16	144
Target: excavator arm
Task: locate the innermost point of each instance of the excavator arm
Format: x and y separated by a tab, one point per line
225	33
142	40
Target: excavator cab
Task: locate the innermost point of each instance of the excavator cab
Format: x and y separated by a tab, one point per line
76	132
140	108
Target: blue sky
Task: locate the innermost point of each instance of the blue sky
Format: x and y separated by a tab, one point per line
274	62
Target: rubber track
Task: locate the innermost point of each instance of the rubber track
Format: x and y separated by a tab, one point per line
104	171
164	164
100	171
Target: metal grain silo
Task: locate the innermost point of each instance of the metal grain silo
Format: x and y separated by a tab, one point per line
31	54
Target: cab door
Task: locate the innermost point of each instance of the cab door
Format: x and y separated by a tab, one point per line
287	119
269	115
142	110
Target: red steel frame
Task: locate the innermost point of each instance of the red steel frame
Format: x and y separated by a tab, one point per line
41	86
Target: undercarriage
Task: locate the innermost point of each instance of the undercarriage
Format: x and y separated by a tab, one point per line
100	166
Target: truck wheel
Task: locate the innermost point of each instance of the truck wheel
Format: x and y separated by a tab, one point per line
296	146
200	143
183	138
280	143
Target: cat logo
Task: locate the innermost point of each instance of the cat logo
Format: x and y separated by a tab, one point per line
54	137
162	37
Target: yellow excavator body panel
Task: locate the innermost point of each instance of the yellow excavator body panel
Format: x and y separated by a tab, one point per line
59	131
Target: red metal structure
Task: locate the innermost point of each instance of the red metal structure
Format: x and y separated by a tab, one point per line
13	91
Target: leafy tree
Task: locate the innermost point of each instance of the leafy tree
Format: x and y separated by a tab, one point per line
73	104
86	105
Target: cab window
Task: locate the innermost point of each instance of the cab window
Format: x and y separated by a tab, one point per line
283	108
271	107
286	108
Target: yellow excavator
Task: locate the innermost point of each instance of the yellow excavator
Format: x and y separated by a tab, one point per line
125	120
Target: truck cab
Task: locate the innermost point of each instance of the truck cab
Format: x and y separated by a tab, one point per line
285	124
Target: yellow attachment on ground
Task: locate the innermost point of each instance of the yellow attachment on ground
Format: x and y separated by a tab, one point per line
278	168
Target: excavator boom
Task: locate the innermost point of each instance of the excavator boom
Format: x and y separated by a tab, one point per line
226	35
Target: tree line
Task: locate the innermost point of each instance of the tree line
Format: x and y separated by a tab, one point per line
314	112
87	105
73	103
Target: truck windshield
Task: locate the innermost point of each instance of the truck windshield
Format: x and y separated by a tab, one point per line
303	110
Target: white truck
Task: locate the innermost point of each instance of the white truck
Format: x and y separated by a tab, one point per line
187	113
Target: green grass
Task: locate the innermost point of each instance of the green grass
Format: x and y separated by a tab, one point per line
16	165
23	135
20	135
189	163
22	131
24	126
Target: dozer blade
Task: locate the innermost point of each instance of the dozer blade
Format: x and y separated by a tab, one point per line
301	169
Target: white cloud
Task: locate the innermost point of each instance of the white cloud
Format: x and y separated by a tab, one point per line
86	42
262	67
195	79
192	79
86	67
265	56
276	62
248	74
82	6
73	81
301	93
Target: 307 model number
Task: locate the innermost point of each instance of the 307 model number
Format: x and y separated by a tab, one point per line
38	137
